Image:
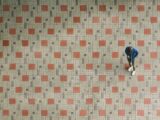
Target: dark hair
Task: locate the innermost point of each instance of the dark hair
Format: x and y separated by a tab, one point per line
128	49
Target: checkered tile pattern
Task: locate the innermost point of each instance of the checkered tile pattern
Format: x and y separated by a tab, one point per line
65	60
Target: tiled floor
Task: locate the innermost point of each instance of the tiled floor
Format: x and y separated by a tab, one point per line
64	60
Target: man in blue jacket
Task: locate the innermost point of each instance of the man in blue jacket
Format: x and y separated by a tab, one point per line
131	55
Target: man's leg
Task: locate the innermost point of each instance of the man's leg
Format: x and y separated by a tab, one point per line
129	61
133	65
130	65
133	72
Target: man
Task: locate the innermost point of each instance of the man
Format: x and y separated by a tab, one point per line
131	55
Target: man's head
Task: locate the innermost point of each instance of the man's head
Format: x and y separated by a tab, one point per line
128	50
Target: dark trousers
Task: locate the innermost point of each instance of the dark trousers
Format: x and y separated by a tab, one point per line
129	60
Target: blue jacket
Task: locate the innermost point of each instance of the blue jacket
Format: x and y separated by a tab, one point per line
133	54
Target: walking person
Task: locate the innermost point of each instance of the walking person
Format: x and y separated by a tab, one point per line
131	53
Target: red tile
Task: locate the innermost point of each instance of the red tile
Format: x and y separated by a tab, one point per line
18	90
102	112
25	43
38	89
19	55
70	101
134	89
115	19
134	19
140	77
70	31
76	54
158	112
147	66
5	112
89	31
89	101
153	19
38	19
70	66
121	43
6	7
63	78
140	43
147	101
25	112
102	43
158	77
121	8
57	19
25	77
140	112
44	78
6	42
57	90
95	19
25	8
76	19
153	89
82	77
158	7
82	43
108	66
121	77
50	31
44	8
12	31
1	90
44	42
121	112
1	54
31	66
153	55
83	112
57	54
1	19
44	112
38	54
108	31
95	89
128	101
31	31
140	8
12	66
147	31
128	31
63	112
12	101
76	89
51	67
89	66
63	43
95	54
102	8
158	43
64	7
108	101
19	19
6	78
31	101
102	77
115	54
114	89
51	101
83	8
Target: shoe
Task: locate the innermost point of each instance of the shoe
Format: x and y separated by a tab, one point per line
133	72
130	69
